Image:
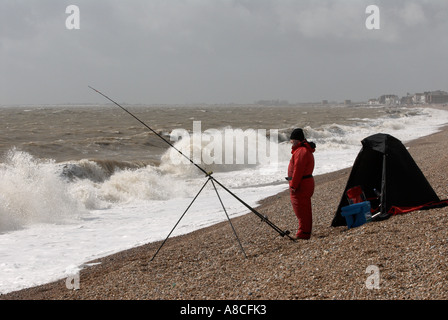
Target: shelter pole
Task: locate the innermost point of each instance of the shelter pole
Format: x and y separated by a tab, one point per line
383	186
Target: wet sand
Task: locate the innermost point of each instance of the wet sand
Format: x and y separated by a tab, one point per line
410	252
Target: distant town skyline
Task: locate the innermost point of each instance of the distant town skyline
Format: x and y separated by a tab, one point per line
433	96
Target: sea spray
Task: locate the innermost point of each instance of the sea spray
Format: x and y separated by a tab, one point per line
32	192
221	150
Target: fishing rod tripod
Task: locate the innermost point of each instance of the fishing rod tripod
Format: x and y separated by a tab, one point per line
210	178
194	199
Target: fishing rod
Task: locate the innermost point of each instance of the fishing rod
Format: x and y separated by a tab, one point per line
166	141
207	174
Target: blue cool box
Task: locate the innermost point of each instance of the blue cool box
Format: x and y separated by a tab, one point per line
355	214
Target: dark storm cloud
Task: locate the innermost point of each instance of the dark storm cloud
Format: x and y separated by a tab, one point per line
185	51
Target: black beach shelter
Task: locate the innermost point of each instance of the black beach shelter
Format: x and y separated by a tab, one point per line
389	178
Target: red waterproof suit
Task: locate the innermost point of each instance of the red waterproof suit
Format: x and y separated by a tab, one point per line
300	172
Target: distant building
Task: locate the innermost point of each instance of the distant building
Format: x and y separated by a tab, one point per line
272	102
324	102
373	102
389	99
419	98
407	100
347	102
435	97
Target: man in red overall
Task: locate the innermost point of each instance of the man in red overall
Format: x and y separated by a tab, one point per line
301	182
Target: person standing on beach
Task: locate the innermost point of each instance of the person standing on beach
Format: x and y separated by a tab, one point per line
301	182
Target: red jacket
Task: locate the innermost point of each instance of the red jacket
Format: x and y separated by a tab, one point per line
301	163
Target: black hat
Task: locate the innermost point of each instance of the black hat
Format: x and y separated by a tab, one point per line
297	134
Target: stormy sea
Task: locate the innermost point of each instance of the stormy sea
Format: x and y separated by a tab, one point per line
78	182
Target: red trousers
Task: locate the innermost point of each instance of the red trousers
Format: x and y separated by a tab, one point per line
301	204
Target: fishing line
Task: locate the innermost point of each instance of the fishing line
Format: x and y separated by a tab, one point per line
207	174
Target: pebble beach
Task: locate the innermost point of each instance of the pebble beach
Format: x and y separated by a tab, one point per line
410	252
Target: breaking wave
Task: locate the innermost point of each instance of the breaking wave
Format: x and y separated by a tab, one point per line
405	124
34	191
31	191
226	150
97	170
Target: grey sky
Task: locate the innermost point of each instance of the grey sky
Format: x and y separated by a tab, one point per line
220	51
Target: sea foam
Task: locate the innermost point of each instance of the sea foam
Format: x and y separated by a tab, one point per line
54	216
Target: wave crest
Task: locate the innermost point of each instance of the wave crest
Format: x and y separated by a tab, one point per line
31	191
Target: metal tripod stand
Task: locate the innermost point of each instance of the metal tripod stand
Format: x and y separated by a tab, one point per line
222	204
